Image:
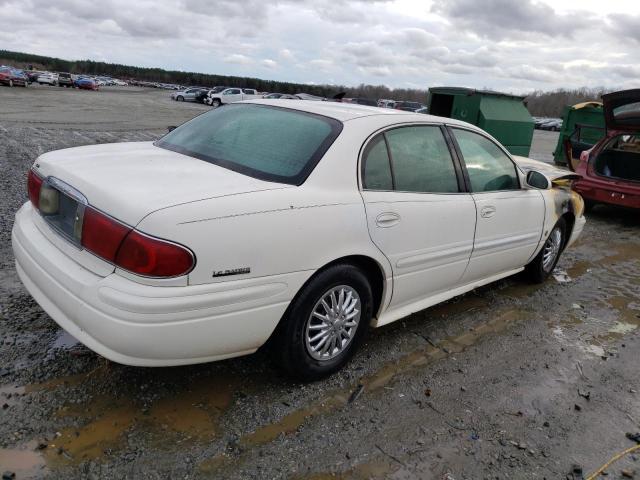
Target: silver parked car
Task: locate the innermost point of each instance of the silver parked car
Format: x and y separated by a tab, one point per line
187	95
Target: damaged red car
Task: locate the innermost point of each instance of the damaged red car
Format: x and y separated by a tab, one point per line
610	170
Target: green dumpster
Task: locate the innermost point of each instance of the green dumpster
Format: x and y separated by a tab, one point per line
582	127
502	115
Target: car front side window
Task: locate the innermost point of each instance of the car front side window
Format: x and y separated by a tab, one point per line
489	168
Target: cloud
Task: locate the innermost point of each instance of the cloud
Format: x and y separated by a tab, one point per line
506	18
625	26
286	54
499	44
238	59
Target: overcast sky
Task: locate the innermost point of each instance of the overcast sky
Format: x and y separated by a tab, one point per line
509	45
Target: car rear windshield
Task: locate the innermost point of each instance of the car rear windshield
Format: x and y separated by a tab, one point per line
270	143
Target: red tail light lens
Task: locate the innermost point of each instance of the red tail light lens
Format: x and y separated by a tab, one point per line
131	250
153	257
34	183
101	234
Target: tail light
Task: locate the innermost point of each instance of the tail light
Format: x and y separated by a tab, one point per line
153	257
114	241
34	184
132	250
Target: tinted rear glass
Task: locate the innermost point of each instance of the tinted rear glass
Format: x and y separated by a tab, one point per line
270	143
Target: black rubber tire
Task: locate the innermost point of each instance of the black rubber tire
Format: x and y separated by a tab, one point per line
535	270
216	103
588	205
288	346
10	83
179	98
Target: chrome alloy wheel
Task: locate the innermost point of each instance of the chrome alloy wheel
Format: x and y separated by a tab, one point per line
333	323
551	249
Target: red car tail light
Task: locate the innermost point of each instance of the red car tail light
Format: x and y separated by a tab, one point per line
153	257
131	250
102	235
34	183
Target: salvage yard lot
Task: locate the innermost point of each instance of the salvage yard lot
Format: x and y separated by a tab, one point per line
510	381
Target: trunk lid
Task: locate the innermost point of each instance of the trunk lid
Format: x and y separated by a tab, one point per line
130	180
622	110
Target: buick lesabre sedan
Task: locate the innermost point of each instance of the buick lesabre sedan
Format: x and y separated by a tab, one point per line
301	226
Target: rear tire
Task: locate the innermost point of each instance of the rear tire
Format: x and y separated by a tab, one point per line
543	264
298	345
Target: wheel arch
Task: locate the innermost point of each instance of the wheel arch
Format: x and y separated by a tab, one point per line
372	269
569	220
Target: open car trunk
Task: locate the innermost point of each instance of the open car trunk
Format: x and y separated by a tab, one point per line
619	157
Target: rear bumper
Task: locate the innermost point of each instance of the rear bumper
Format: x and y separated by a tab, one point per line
143	325
602	192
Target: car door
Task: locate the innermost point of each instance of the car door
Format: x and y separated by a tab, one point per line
510	217
417	212
232	95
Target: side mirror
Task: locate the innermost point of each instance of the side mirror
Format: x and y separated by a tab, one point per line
171	128
538	180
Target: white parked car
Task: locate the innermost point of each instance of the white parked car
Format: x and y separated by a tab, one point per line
48	79
304	224
231	95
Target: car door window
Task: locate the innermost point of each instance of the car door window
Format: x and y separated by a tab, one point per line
421	161
377	170
489	168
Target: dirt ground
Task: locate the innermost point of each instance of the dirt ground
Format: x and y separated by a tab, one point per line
511	381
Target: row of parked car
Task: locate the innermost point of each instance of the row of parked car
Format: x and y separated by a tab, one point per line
220	95
12	76
543	123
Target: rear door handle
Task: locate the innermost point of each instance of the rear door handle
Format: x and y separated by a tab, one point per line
488	211
387	219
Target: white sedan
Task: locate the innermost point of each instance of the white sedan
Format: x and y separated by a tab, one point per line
302	226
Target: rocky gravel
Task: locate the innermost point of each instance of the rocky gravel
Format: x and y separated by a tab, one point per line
511	381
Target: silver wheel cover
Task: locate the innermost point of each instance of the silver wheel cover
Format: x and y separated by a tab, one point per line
333	323
551	249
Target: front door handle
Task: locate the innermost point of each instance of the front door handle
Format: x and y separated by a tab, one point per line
387	219
488	211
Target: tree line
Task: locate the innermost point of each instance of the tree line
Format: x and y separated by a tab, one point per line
551	104
159	75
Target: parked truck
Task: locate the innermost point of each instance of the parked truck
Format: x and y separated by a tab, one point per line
231	95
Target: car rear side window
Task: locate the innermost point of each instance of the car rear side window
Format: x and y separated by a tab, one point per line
489	168
377	169
412	159
269	143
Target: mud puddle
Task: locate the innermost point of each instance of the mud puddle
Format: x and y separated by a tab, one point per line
24	462
105	421
362	471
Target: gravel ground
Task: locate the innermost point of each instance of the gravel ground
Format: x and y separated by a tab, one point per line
511	381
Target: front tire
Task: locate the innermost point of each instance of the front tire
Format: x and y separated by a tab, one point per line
216	103
10	83
179	98
588	205
325	323
543	264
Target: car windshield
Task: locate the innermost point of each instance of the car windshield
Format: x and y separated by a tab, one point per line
269	143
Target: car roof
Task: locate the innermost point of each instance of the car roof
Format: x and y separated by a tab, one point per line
349	111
